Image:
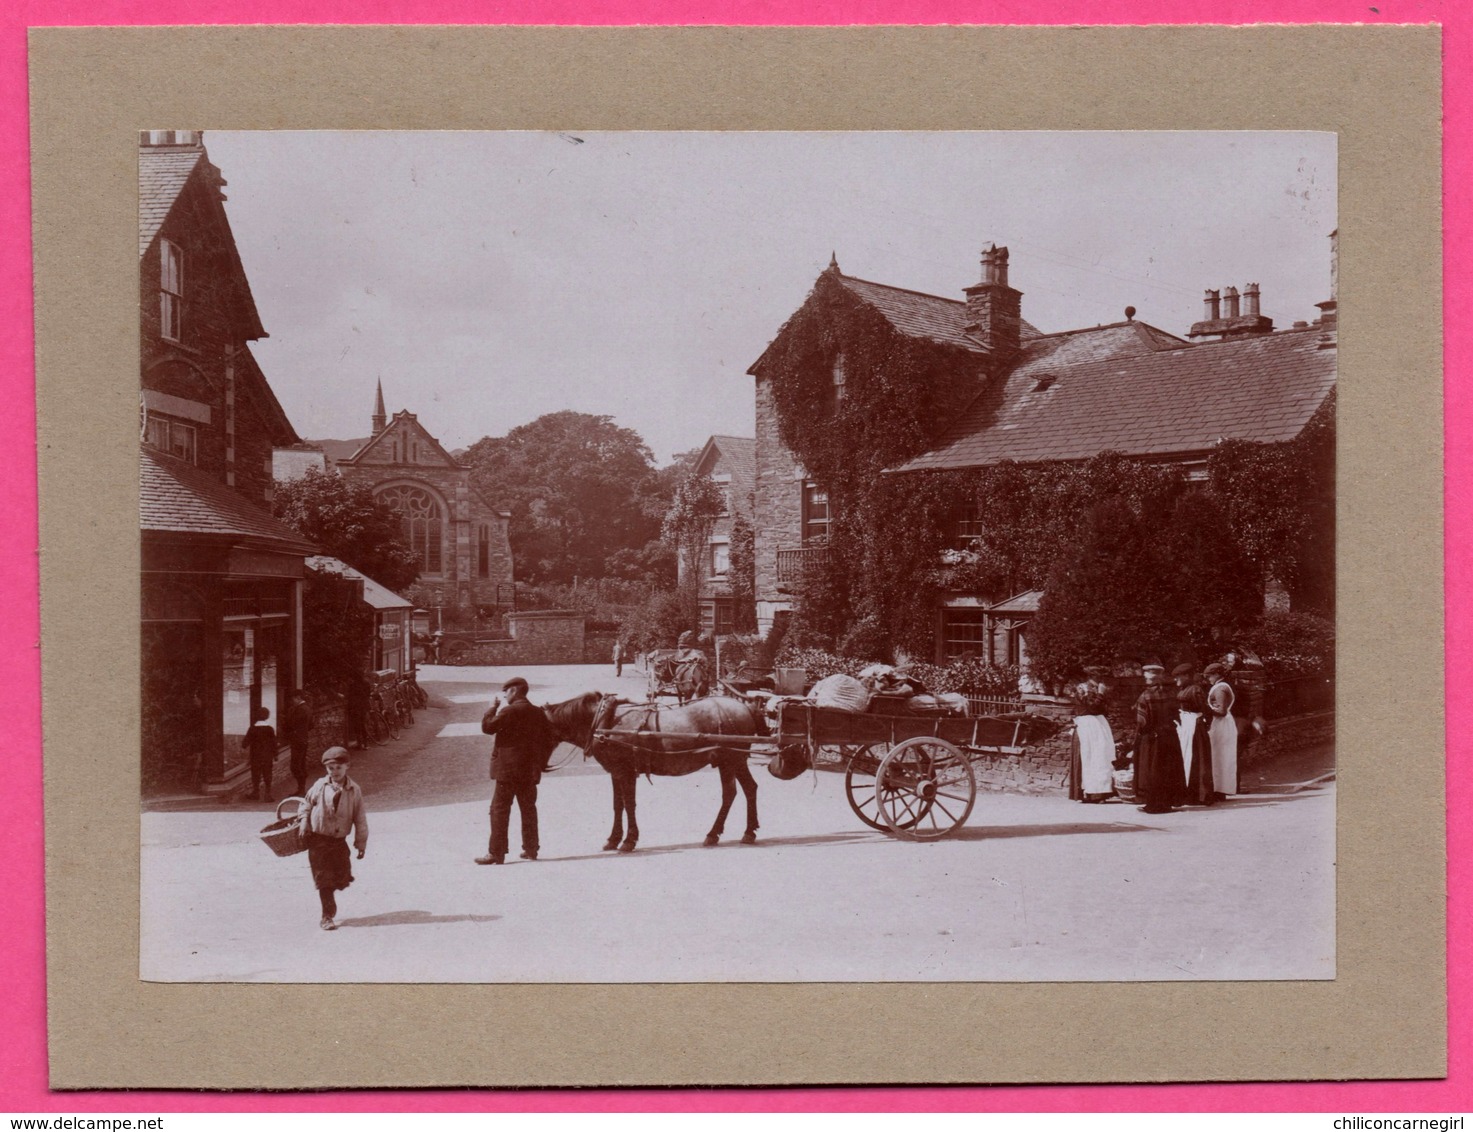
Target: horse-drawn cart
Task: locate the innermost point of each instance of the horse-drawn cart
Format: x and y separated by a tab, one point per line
908	775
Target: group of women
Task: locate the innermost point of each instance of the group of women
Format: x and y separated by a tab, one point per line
1186	741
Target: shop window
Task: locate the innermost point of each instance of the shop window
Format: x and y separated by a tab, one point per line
171	291
815	515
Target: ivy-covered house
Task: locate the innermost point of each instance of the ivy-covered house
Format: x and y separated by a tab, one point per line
925	466
730	462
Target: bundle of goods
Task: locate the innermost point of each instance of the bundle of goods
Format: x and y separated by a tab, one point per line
946	703
840	691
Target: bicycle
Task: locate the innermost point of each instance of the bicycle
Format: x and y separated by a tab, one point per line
400	704
382	719
417	695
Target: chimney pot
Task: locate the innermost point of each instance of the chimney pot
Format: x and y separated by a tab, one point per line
1210	306
1250	300
1230	302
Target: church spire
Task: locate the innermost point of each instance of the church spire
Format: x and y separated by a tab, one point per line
380	418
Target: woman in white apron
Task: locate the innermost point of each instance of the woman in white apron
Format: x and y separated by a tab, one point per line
1223	733
1093	778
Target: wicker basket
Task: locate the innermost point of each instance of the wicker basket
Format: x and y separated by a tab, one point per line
284	836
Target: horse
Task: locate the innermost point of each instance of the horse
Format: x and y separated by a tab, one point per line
688	674
666	745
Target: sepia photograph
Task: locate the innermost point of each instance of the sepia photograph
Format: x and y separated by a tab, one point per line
762	557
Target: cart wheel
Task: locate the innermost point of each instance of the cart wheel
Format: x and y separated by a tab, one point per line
924	789
859	783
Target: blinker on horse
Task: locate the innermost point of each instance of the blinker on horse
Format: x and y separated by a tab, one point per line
667	741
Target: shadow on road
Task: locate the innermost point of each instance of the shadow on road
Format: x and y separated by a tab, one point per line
1059	829
397	919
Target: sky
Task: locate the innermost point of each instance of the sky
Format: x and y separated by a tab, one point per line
489	278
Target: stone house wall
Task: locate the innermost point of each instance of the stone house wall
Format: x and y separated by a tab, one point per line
777	508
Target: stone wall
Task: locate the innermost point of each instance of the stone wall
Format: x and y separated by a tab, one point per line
544	636
777	507
1290	734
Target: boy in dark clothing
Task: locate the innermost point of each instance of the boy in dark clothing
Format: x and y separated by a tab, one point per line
298	732
260	742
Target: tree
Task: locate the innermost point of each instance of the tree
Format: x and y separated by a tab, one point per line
698	503
742	575
346	521
337	631
1218	589
1109	595
577	487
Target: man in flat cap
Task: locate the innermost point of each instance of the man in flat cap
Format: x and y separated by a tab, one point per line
524	739
1191	731
1222	732
1158	771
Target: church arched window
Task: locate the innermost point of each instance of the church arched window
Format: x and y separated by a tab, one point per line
420	513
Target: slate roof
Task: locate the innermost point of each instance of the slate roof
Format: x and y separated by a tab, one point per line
739	456
177	498
1126	388
921	315
338	450
376	595
162	173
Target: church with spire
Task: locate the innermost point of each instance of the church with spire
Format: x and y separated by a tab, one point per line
459	535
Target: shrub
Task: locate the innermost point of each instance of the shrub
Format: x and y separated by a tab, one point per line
1294	644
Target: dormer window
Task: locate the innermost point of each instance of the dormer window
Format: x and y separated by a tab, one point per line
174	437
1045	381
171	291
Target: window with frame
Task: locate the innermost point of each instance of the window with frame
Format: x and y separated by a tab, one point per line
725	619
171	291
966	526
483	551
720	559
839	378
963	633
815	515
171	436
419	511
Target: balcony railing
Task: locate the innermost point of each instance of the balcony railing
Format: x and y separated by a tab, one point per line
791	564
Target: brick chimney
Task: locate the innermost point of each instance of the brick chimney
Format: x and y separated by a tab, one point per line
1223	319
994	310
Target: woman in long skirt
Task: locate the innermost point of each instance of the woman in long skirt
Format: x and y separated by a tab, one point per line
1159	781
1191	731
1223	732
1091	776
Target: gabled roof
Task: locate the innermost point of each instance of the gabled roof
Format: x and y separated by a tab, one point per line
1126	389
738	454
403	416
923	316
177	498
1025	602
376	595
162	174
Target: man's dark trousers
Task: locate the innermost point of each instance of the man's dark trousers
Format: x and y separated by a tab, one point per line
525	794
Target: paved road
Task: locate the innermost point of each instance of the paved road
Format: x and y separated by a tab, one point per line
1031	888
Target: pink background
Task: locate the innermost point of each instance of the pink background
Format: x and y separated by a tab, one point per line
23	1086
